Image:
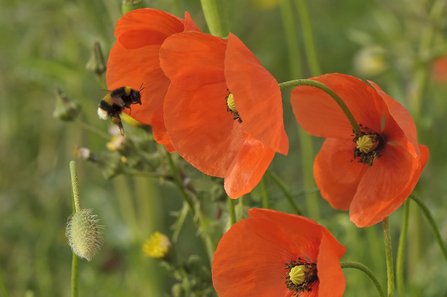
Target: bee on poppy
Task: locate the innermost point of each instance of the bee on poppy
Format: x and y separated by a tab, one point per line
116	101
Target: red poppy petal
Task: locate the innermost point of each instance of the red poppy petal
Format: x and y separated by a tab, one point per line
401	117
189	23
159	131
249	260
146	26
203	132
331	279
257	96
307	240
319	115
385	186
193	59
336	174
131	68
248	167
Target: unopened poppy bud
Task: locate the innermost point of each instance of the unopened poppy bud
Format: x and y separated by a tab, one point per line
158	246
297	274
84	234
97	63
364	144
66	109
129	5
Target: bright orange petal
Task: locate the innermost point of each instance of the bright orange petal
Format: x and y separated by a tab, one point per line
249	260
248	167
257	96
133	67
319	115
146	26
385	186
401	118
192	59
331	279
307	239
159	131
189	23
336	173
203	132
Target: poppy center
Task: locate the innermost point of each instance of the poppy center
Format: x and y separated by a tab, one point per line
301	276
232	108
369	146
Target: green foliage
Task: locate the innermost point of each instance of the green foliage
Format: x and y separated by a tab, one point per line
46	44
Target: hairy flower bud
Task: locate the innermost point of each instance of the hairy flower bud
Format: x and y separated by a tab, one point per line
84	234
66	109
97	63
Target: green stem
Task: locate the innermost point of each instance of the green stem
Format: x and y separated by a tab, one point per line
74	276
291	38
74	186
265	193
401	251
176	7
307	150
285	191
432	223
178	182
308	38
232	211
240	209
367	271
77	207
216	16
307	158
389	257
330	92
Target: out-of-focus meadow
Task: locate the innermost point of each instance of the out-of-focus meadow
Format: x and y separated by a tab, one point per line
46	44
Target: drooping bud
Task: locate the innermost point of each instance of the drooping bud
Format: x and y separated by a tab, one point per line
66	109
129	5
97	63
84	234
158	246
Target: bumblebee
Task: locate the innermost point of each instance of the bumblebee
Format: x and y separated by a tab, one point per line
116	101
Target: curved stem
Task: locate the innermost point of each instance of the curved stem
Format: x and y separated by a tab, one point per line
367	271
232	211
432	222
389	257
74	186
401	250
285	191
330	92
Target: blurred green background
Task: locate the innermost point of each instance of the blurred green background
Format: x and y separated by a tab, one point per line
45	44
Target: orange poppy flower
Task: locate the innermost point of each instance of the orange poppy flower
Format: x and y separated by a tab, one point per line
273	254
372	174
134	60
223	110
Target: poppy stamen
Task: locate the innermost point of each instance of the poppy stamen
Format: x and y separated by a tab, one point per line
232	108
301	276
369	146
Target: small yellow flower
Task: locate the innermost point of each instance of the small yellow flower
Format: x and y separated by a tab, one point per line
158	246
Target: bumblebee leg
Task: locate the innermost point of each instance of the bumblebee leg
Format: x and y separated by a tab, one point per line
117	121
